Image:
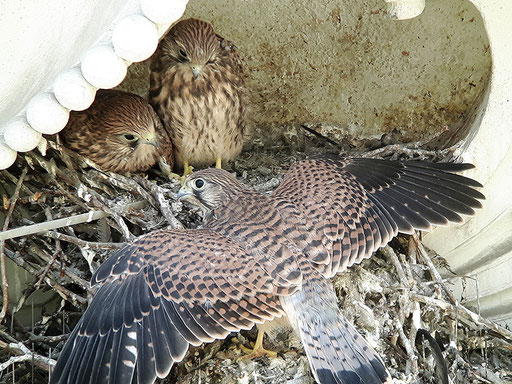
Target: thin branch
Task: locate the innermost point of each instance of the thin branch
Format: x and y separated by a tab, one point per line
391	255
57	252
5	284
64	270
128	184
465	314
100	202
158	192
63	292
412	359
418	246
82	243
15	180
25	354
64	222
48	339
319	135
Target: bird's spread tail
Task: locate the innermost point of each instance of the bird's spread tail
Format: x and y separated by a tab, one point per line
337	353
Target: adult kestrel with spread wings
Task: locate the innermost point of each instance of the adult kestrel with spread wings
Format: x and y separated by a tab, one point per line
197	89
120	132
258	258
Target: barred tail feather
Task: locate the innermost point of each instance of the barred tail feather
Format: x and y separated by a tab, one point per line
337	353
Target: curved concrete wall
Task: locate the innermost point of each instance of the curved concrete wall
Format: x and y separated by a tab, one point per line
481	250
351	66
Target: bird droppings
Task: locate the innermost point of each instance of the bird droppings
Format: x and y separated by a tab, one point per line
381	296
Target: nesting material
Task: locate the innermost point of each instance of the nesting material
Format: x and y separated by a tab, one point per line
392	298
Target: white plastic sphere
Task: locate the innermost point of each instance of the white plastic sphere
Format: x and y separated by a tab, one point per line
46	115
163	11
102	67
7	156
405	9
20	136
73	91
135	38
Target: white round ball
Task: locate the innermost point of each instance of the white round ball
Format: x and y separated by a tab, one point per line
7	156
73	91
163	11
405	9
102	67
20	136
46	115
135	38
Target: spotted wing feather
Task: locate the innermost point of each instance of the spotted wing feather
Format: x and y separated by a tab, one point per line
158	295
341	211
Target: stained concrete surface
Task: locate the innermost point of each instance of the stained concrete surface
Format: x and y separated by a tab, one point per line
349	66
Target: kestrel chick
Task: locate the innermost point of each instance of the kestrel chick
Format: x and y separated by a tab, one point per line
258	258
197	89
120	132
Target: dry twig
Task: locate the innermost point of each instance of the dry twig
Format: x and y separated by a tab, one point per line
25	354
5	284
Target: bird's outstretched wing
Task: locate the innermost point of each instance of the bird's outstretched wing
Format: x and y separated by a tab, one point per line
156	296
341	211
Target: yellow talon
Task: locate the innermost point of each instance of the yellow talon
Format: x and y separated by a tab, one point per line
257	350
173	175
187	170
218	163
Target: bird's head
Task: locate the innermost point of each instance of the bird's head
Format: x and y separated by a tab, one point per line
134	134
193	45
210	189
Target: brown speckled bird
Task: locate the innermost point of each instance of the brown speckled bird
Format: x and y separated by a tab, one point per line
120	132
258	258
197	90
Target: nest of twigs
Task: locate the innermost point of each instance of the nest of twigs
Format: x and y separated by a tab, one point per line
397	299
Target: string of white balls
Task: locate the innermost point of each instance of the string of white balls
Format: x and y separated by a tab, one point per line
104	65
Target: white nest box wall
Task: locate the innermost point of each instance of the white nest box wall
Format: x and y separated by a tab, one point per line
480	251
62	53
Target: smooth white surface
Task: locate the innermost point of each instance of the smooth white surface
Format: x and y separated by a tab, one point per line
73	91
20	136
135	38
41	39
163	11
102	67
481	249
46	115
7	156
405	9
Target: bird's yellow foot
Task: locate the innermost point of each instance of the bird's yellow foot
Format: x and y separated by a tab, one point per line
167	169
187	170
218	163
257	350
172	175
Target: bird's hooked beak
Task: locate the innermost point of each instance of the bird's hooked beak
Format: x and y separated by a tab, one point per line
196	70
185	192
154	143
151	140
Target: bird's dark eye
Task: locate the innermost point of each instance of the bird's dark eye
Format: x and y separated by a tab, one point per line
129	137
199	183
183	53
